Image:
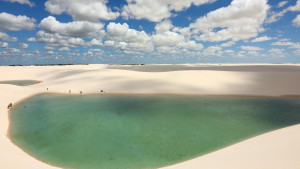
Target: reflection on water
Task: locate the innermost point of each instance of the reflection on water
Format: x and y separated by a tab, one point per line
140	131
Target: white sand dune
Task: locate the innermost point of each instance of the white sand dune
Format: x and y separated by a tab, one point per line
277	149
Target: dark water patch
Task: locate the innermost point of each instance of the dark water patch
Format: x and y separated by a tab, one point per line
20	82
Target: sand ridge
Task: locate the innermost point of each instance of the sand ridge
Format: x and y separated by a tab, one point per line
281	150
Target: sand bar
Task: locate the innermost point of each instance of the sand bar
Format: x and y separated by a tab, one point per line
277	149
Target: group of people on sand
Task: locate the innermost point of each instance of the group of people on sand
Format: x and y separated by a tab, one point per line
10	104
101	91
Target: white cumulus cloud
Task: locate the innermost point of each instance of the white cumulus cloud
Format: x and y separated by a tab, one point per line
3	45
9	22
297	52
122	32
49	48
28	2
14	50
287	43
212	51
190	45
73	29
295	7
261	39
241	20
23	45
58	40
275	16
167	39
6	37
64	49
157	10
174	39
82	10
131	46
96	42
251	48
275	52
31	39
282	3
228	44
163	26
296	21
121	37
167	50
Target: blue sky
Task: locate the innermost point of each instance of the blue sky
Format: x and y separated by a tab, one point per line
143	31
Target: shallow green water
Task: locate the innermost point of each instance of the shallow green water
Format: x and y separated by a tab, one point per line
20	82
90	132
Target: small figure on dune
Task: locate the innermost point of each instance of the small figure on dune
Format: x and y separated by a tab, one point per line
80	92
101	91
9	106
47	88
69	91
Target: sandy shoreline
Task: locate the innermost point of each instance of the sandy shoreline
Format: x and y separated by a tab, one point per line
191	80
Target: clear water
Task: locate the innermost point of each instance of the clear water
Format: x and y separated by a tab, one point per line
91	132
20	82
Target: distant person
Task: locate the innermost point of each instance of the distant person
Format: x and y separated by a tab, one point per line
9	106
47	88
81	92
69	91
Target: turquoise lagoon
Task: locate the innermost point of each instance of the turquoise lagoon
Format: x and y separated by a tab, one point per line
20	82
97	131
